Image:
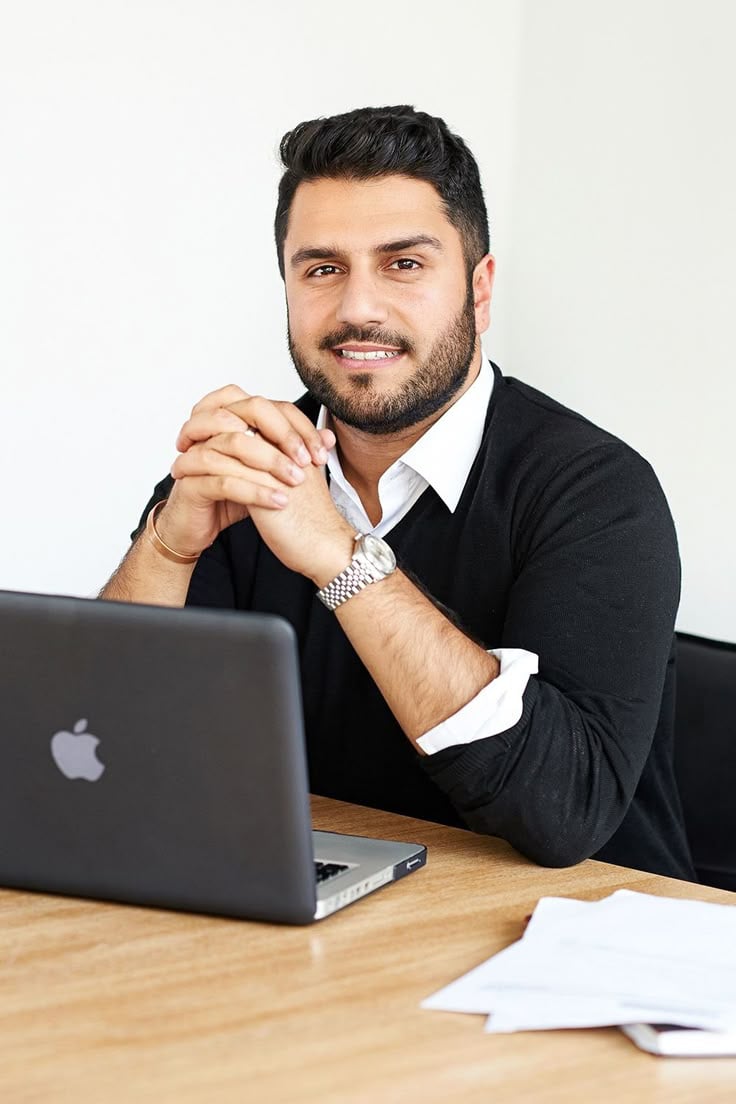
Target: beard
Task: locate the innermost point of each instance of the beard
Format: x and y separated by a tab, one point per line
359	403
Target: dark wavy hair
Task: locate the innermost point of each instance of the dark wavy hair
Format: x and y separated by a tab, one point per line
377	141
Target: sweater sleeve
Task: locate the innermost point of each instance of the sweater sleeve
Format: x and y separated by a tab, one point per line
595	596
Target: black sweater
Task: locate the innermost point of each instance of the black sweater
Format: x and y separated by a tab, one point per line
562	543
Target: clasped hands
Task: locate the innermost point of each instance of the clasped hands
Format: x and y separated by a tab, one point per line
225	473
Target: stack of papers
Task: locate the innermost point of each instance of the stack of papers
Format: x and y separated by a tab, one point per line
628	958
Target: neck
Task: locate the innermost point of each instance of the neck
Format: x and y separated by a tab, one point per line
366	456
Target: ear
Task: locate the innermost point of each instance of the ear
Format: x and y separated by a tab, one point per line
483	274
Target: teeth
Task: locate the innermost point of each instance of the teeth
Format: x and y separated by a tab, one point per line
379	354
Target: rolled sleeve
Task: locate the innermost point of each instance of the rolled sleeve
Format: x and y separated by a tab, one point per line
496	708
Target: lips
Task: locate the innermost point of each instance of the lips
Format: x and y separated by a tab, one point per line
370	358
365	363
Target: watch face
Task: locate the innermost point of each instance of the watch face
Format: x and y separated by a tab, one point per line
378	553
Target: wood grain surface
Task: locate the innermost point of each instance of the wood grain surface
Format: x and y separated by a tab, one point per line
108	1003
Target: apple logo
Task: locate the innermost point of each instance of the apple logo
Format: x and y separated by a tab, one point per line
75	753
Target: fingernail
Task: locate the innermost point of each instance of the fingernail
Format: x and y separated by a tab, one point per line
279	499
297	474
321	455
303	456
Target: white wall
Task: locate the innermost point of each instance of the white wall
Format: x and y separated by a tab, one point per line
137	266
621	284
137	196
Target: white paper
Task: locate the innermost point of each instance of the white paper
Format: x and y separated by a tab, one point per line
629	958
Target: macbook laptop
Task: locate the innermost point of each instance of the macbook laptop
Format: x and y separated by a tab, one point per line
156	756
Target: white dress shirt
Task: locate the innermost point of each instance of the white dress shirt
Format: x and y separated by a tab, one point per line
442	459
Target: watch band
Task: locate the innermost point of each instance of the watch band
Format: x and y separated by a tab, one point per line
357	575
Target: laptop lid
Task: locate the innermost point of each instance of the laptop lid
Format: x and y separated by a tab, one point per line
155	756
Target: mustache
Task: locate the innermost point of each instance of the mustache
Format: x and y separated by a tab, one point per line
366	337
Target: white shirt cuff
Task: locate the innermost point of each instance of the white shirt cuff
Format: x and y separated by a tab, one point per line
497	707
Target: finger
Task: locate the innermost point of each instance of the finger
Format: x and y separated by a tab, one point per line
329	440
229	485
312	437
284	426
204	460
256	452
223	396
208	423
252	453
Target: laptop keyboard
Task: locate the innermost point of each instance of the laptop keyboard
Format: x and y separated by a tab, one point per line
325	870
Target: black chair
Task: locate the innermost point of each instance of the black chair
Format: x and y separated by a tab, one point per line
705	754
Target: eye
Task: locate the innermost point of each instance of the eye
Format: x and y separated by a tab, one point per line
406	261
321	268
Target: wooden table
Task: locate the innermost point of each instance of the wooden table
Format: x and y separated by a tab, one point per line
107	1003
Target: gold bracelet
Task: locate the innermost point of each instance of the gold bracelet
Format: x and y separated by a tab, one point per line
161	546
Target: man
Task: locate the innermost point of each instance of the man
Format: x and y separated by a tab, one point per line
526	538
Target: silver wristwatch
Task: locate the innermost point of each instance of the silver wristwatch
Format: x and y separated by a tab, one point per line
372	560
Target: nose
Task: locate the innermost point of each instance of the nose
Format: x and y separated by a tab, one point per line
361	301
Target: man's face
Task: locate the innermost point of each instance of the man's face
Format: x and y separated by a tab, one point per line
382	323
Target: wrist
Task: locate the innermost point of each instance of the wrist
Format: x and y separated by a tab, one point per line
166	545
334	555
372	561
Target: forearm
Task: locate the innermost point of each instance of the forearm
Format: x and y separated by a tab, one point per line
146	576
557	785
425	667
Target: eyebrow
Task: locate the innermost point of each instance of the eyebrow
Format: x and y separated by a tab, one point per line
320	252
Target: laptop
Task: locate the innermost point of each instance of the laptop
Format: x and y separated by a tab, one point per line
156	756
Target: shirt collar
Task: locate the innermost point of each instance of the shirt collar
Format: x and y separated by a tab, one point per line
444	455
